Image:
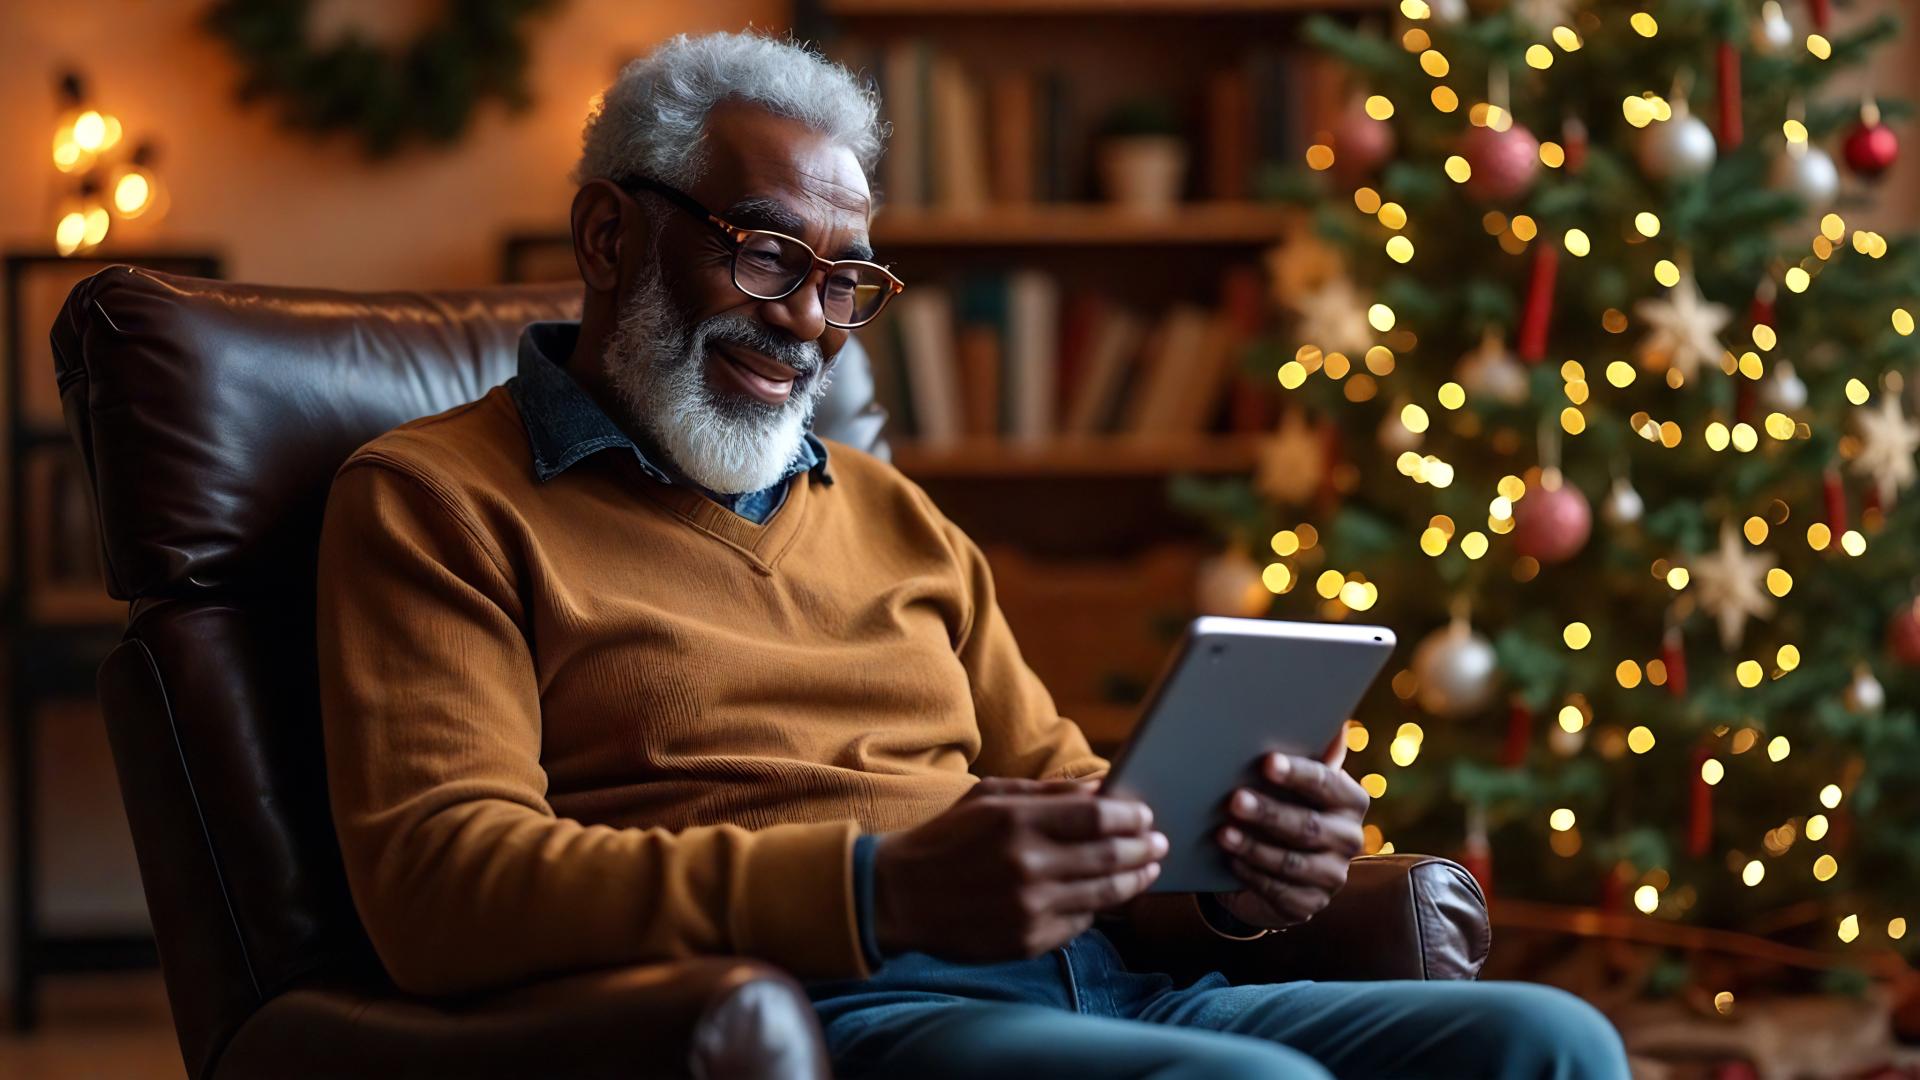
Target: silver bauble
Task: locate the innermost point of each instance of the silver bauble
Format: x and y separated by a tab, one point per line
1448	12
1492	372
1783	391
1623	505
1229	584
1864	693
1807	171
1678	148
1457	671
1566	743
1772	33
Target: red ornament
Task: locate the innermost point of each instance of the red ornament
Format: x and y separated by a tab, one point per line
1536	317
1361	144
1822	14
1552	524
1903	633
1871	148
1504	163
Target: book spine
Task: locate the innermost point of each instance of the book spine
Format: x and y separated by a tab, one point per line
1013	136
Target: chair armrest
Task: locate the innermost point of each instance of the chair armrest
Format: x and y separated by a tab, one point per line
1399	917
712	1018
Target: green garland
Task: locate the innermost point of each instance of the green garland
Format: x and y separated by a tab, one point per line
424	90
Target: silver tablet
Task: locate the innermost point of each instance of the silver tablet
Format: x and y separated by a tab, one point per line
1236	689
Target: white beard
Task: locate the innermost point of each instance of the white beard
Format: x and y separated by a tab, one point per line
726	443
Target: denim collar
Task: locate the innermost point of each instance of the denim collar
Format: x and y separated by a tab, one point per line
565	425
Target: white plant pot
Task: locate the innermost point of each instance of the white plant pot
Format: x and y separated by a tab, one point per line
1144	173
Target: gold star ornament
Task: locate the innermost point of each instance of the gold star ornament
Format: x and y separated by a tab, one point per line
1888	439
1685	329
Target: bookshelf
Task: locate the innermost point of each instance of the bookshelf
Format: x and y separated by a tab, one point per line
987	458
1213	223
947	8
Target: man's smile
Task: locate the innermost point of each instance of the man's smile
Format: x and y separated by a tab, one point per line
755	373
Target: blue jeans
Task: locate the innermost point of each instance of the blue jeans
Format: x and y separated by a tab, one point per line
1079	1012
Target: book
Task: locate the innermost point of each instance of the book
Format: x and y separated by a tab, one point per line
882	343
1033	336
1081	314
1010	112
1165	371
959	166
1117	341
902	79
1230	134
926	338
978	353
1059	179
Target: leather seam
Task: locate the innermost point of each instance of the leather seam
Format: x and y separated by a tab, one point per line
199	813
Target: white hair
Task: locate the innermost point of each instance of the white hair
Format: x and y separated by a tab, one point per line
652	121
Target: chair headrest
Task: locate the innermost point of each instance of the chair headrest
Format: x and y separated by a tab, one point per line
213	416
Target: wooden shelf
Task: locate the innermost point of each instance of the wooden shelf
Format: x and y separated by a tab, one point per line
854	8
1085	224
1108	456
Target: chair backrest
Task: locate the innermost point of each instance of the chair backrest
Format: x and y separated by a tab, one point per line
212	417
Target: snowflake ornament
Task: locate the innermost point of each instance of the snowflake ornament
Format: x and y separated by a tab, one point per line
1685	329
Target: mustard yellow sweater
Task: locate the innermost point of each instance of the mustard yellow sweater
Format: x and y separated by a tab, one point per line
603	720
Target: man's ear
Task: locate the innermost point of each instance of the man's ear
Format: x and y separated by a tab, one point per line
600	209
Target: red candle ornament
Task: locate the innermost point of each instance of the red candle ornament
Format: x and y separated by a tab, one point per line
1903	633
1574	134
1536	316
1673	654
1836	496
1731	131
1519	734
1822	13
1700	815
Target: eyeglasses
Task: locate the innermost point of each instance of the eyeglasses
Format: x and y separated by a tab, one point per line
772	266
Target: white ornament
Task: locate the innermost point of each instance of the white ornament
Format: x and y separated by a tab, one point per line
1888	440
1623	505
1729	585
1772	33
1457	671
1679	147
1566	743
1229	584
1334	318
1491	371
1293	462
1395	437
1864	693
1686	329
1448	11
1808	172
1544	15
1783	391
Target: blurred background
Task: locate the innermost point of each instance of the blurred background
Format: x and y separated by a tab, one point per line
1120	219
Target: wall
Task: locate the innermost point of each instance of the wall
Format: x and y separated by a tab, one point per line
280	207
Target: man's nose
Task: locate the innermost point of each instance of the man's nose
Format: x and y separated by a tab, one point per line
800	314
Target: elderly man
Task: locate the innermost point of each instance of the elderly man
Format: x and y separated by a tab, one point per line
621	663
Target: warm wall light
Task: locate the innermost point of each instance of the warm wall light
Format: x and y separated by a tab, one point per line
102	191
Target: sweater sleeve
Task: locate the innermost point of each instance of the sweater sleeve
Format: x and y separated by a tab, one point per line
1022	734
462	873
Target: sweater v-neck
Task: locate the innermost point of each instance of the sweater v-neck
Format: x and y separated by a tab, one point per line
761	545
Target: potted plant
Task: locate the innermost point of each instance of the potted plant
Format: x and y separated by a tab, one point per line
1142	156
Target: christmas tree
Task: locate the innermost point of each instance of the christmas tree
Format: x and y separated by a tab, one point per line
1593	394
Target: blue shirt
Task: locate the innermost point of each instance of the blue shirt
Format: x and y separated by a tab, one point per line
565	426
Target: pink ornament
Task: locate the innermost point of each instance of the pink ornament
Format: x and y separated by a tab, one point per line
1552	524
1504	163
1361	144
1903	634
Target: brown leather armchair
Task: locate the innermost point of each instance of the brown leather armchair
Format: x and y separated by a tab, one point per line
212	417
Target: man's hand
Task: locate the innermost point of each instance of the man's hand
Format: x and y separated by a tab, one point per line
1292	852
1014	869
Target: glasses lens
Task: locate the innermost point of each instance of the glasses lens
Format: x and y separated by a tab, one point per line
769	266
855	293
